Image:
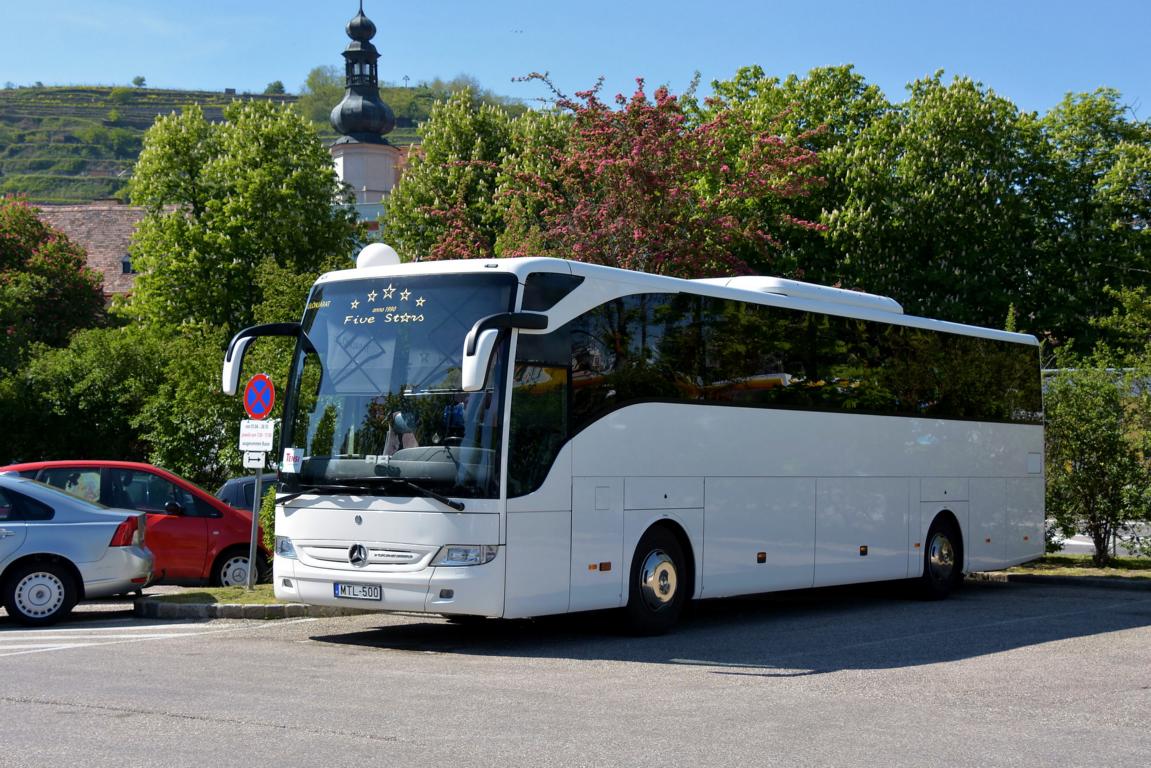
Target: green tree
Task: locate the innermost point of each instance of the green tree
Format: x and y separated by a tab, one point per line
322	90
1129	324
1100	193
1098	483
443	206
225	201
826	112
47	290
538	137
139	81
941	210
276	87
82	401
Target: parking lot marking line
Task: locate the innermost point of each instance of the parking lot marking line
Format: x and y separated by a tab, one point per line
80	641
48	648
160	629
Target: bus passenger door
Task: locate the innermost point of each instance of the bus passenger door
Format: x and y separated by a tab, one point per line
597	562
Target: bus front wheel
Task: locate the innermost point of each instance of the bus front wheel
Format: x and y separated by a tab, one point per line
656	590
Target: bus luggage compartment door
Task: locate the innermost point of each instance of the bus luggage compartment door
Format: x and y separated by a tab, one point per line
597	543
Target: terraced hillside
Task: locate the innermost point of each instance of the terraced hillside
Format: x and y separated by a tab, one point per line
78	144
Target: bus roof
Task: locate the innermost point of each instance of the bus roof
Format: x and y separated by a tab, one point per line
615	283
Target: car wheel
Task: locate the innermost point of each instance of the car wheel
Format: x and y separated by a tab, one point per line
942	560
231	570
41	593
657	589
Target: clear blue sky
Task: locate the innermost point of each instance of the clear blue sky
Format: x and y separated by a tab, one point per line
1030	51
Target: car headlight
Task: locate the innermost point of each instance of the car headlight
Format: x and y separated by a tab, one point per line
465	554
285	548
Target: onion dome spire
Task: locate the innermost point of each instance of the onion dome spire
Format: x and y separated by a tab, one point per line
362	115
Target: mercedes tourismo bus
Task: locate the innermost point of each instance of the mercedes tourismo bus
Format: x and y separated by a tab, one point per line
519	437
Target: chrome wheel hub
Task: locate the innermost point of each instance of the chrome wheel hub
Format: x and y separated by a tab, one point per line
657	579
940	558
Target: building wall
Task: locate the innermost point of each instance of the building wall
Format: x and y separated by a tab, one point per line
104	230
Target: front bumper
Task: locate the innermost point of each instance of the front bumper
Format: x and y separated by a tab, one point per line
476	590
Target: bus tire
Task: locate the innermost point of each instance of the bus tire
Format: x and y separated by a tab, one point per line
942	560
657	590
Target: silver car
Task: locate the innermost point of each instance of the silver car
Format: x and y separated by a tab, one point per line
57	549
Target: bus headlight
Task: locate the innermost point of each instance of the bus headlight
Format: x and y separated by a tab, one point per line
465	554
285	548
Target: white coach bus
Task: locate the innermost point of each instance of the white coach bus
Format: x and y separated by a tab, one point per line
520	437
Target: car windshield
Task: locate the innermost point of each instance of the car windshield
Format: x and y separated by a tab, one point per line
375	387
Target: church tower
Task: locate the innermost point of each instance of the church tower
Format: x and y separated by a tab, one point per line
364	159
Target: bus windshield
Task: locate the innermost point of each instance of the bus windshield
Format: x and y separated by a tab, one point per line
374	399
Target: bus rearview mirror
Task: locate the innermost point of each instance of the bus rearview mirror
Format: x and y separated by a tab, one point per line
481	341
234	357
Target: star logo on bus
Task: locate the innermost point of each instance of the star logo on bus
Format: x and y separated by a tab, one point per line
356	304
420	301
405	294
372	296
389	291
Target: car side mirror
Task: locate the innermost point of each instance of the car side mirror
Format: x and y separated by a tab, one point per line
174	508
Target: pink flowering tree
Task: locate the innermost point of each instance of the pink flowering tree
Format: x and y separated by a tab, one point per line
641	186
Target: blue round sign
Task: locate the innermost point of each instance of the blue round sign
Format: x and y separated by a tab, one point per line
259	396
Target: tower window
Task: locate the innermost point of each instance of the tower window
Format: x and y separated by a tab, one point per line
126	265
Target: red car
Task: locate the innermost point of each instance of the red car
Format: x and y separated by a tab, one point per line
195	537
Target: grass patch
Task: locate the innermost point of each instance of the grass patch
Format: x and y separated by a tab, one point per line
263	594
1081	565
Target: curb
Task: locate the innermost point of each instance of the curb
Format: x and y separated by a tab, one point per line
1096	582
153	608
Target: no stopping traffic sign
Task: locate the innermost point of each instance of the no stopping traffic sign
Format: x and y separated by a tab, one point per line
259	396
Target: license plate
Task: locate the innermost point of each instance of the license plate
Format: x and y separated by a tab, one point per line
358	591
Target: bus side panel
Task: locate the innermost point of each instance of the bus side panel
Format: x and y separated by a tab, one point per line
1024	520
861	531
986	542
538	553
744	516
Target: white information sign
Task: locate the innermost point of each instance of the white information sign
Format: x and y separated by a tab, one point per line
257	435
293	460
255	459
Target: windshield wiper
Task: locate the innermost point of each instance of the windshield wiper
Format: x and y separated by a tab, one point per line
361	484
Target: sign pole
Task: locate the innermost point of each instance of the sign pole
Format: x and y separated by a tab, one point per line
257	502
256	437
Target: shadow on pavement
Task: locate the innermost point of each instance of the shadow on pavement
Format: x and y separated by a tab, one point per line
794	633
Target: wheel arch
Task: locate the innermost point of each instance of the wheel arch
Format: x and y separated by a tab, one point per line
47	557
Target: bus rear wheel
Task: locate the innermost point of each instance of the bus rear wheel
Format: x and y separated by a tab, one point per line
657	591
942	560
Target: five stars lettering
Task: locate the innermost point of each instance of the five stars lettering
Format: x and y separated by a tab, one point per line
385	313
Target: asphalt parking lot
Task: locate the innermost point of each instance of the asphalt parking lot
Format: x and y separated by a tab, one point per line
1000	675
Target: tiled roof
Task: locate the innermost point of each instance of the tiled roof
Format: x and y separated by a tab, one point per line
104	230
